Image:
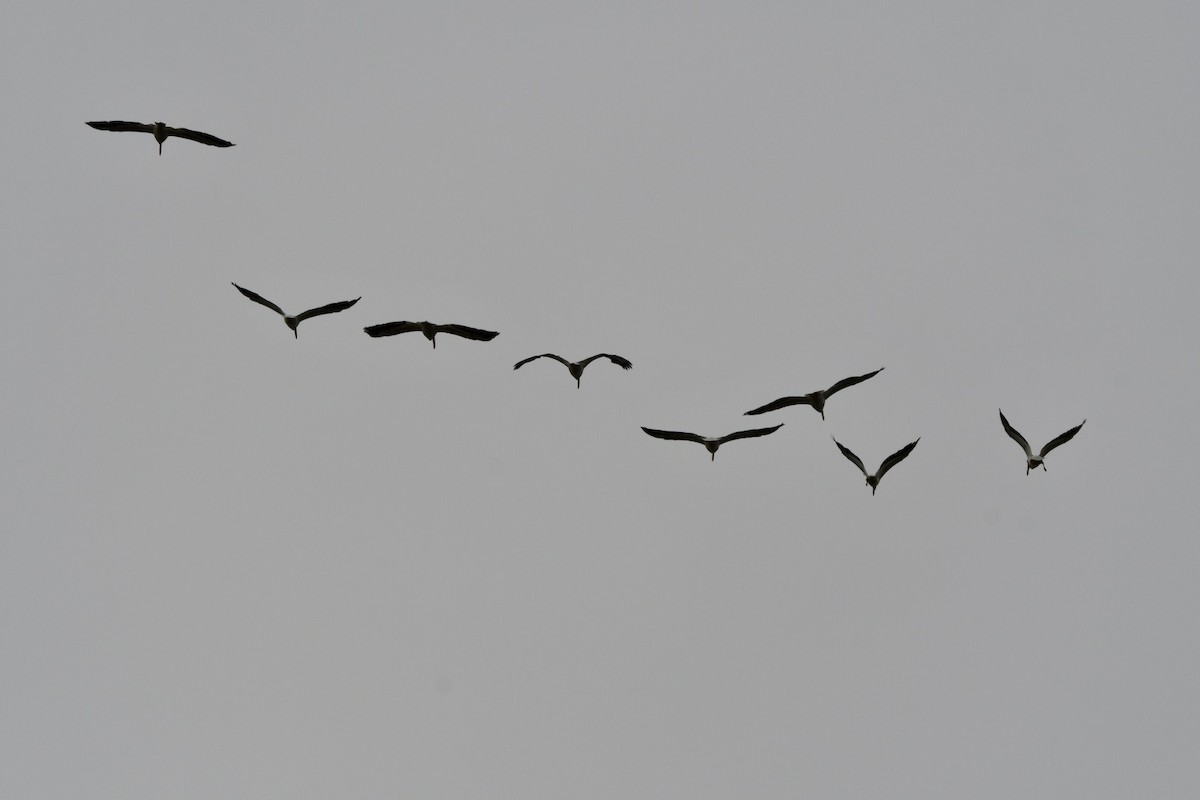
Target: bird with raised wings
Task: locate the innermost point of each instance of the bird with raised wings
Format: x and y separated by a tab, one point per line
161	132
815	399
293	322
576	367
710	443
1032	461
889	462
430	330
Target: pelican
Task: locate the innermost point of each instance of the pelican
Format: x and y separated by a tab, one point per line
294	322
889	462
161	132
815	399
710	443
576	367
430	329
1032	461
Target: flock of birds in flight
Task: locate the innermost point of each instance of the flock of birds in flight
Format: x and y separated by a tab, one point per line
430	330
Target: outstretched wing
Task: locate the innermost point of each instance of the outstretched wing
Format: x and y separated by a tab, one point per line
687	437
855	460
258	298
118	125
1019	439
623	363
1062	438
332	308
559	359
392	328
749	434
844	382
466	332
198	136
782	402
894	459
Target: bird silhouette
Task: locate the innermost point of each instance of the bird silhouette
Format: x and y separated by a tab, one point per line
711	443
1032	461
161	132
576	367
889	462
430	330
815	399
293	322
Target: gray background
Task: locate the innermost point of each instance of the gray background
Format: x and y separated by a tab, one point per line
237	565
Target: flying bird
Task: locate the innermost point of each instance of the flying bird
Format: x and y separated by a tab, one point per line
889	462
161	132
710	443
294	322
815	399
1032	461
576	367
430	329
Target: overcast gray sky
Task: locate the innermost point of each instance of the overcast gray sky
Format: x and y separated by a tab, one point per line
240	565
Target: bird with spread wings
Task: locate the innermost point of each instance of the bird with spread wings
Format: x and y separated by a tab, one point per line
815	399
711	443
1032	461
576	367
161	132
291	321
